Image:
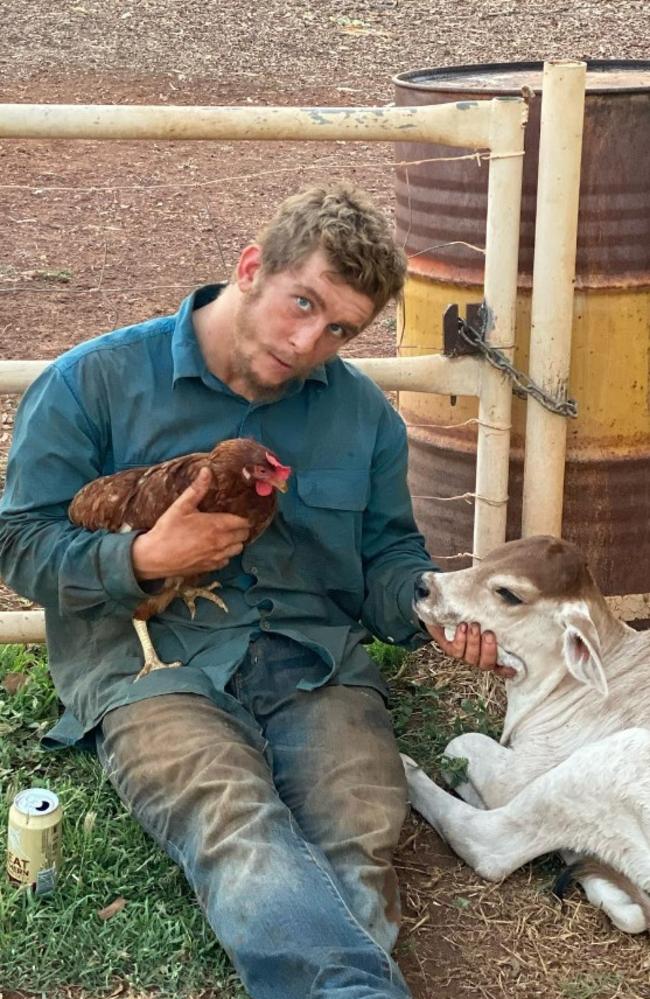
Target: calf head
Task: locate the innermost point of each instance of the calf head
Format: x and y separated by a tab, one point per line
537	595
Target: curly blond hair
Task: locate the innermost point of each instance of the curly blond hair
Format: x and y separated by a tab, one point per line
354	234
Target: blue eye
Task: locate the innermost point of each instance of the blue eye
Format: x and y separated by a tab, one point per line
303	303
338	331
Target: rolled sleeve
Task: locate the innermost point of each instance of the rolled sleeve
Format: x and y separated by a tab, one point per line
405	599
99	579
116	568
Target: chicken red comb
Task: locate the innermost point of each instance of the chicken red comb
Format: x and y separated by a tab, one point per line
283	471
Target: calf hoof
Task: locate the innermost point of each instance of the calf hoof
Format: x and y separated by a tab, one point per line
624	913
629	918
408	763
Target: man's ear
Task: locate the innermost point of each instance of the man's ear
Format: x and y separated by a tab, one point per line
248	266
581	649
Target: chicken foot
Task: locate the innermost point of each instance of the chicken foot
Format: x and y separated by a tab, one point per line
151	660
190	593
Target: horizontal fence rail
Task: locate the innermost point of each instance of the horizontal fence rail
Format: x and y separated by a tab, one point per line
466	123
433	373
28	627
423	373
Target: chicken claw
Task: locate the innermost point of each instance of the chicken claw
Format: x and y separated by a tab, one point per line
190	593
151	659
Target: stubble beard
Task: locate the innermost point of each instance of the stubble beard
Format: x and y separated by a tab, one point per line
245	333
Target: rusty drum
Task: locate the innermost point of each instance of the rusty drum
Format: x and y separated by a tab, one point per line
441	211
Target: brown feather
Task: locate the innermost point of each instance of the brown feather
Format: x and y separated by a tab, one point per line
137	497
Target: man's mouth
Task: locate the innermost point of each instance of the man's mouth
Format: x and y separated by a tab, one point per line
282	364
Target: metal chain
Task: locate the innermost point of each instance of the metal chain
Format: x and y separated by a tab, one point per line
522	385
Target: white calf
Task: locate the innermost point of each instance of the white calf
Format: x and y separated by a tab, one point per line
572	770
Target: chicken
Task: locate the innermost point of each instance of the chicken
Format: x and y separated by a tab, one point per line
245	477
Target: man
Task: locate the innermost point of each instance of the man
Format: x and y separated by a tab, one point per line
266	765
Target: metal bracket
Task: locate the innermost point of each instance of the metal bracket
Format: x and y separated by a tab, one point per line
453	344
522	384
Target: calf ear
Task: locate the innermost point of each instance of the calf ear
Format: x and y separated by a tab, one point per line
581	649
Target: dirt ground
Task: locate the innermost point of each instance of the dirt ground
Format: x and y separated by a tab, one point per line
94	235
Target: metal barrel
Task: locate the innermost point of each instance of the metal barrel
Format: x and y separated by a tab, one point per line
441	212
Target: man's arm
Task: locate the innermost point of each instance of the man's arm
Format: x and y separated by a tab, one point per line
395	557
56	449
393	549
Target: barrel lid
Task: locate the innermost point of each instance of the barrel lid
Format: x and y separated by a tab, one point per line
603	76
36	801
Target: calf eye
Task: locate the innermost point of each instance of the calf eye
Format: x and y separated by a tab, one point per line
508	596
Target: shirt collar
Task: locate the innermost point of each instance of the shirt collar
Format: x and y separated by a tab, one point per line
187	358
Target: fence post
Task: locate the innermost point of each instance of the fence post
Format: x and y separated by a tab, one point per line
556	228
500	297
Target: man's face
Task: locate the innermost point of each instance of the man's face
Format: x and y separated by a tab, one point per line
289	323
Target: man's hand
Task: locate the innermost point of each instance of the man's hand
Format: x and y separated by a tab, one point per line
472	647
184	541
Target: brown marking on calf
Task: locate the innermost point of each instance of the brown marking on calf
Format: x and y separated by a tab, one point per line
554	566
592	867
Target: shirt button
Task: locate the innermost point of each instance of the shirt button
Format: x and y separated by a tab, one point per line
266	625
390	638
254	570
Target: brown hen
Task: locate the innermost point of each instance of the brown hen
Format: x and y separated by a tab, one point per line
245	477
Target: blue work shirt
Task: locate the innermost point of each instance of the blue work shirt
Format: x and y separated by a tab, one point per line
338	563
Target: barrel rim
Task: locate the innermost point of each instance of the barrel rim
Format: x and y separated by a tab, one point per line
409	78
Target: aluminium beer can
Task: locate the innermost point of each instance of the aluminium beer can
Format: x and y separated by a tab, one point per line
34	840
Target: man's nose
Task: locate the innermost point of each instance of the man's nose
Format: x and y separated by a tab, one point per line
305	337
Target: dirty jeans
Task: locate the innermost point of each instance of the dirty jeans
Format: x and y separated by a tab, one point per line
284	826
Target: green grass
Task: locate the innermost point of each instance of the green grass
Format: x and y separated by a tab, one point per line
425	721
160	940
601	985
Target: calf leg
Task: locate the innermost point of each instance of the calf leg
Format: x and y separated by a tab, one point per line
489	841
490	769
596	802
624	912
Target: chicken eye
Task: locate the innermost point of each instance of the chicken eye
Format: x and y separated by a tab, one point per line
508	596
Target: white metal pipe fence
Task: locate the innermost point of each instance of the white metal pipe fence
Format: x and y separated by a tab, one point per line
496	125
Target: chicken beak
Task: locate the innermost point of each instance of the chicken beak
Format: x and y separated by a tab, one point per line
281	473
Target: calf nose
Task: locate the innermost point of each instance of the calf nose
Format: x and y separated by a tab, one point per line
421	590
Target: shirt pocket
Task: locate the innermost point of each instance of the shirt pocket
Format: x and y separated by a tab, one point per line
326	522
333	489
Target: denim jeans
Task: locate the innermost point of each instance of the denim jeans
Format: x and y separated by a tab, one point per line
284	826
